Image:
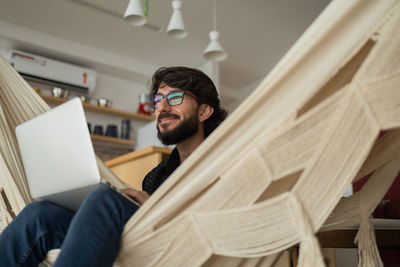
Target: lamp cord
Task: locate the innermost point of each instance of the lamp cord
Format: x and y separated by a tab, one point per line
215	15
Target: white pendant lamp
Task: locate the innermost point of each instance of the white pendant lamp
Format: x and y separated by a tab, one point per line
214	50
134	13
176	28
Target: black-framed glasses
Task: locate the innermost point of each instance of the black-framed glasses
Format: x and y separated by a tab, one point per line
174	98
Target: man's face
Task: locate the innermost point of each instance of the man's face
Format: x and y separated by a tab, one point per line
176	123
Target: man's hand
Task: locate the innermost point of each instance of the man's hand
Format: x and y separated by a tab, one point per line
139	196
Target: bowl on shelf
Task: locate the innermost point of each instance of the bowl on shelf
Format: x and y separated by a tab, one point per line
85	99
59	92
104	102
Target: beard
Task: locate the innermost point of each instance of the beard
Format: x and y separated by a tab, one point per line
185	129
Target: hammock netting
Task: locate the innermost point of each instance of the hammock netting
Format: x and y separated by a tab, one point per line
274	173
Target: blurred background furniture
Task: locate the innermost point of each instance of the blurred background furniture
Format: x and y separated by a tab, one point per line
133	166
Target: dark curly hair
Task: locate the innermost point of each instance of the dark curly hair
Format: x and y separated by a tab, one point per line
196	82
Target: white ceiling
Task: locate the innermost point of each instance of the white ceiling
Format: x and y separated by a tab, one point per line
255	33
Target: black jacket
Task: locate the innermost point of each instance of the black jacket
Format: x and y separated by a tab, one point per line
160	173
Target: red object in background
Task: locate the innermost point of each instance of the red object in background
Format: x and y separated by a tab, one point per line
144	104
394	190
144	108
390	205
389	208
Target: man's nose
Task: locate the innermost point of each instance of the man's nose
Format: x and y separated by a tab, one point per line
163	105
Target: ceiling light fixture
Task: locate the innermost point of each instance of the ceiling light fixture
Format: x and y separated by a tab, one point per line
134	13
112	13
214	50
176	28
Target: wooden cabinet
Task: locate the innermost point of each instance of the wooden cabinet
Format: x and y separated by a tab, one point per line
133	166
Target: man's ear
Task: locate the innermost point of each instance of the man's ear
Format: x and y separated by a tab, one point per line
205	111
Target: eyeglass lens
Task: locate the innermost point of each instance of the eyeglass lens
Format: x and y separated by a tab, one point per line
173	99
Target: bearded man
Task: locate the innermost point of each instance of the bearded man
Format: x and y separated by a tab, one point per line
187	109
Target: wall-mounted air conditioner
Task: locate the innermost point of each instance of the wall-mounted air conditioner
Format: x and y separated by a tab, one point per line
54	73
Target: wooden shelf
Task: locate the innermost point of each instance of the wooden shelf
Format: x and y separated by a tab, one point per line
105	110
112	140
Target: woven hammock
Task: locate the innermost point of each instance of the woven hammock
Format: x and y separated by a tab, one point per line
274	173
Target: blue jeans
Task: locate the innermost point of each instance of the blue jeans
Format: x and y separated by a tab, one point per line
91	237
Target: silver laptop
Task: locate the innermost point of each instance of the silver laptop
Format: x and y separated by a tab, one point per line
58	155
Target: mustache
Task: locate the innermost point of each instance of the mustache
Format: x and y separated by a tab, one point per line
166	115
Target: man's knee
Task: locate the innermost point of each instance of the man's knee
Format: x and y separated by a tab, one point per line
101	194
38	209
41	212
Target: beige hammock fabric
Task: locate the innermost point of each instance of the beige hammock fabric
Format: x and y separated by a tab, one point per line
274	172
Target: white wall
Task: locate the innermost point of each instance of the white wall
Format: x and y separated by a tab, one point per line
122	92
118	79
124	95
37	42
233	97
211	69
